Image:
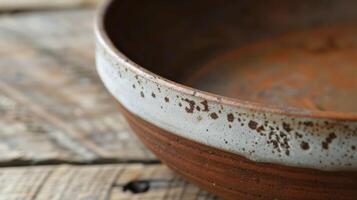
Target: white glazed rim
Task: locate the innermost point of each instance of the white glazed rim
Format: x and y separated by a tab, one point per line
104	40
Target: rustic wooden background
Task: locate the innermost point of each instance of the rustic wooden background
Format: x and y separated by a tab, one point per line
61	134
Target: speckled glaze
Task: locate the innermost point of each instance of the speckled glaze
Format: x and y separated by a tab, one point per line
297	138
287	137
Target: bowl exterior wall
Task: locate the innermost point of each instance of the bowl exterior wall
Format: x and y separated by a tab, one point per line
235	177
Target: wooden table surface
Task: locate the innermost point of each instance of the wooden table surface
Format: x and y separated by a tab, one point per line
61	134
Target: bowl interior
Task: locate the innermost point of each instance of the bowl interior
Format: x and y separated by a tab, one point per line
282	53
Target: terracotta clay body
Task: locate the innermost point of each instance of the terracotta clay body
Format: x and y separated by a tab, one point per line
249	99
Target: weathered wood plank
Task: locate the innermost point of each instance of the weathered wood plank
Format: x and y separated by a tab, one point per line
164	184
96	182
26	137
52	104
70	182
45	4
22	183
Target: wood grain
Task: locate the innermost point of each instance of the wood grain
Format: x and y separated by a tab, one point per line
53	107
22	183
70	182
96	182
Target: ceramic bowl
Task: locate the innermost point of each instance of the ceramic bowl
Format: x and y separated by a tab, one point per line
247	99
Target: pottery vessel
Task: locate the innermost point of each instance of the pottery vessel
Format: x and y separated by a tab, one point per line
247	99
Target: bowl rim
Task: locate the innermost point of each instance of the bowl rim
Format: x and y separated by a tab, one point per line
104	40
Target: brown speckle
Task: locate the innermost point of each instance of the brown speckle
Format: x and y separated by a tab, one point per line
275	144
328	140
205	106
287	152
180	104
353	147
153	95
230	117
308	123
297	134
260	128
198	108
142	94
286	127
304	145
252	125
230	126
282	134
167	99
191	105
213	115
280	141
